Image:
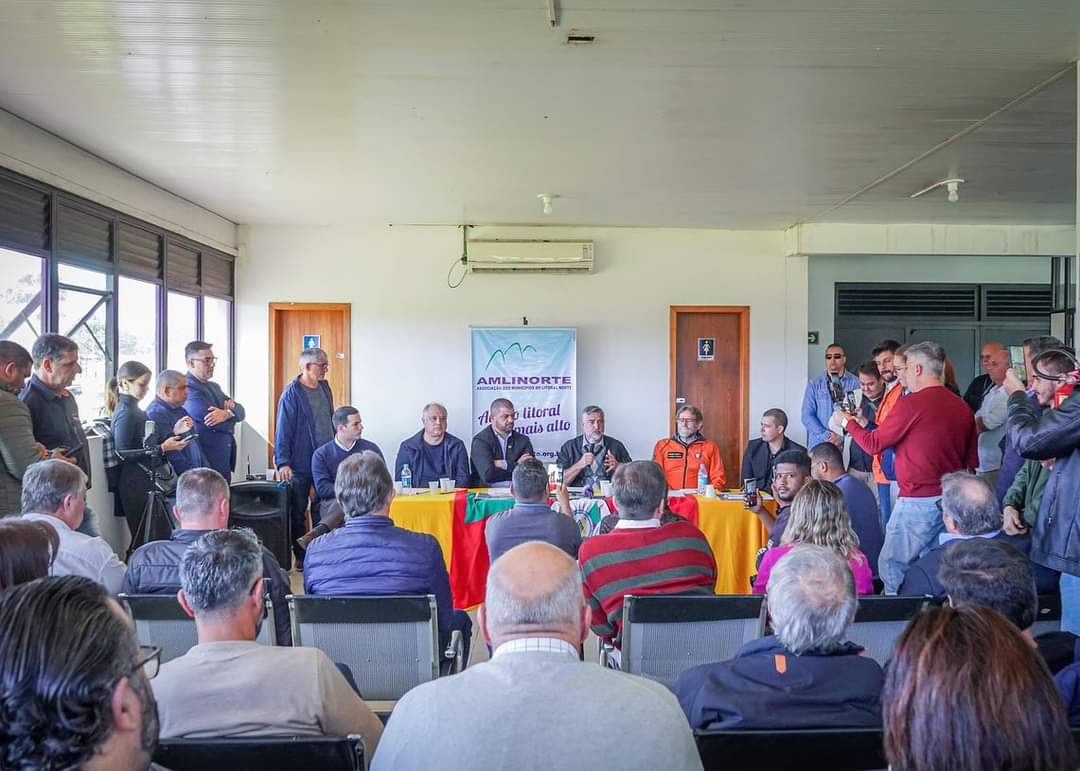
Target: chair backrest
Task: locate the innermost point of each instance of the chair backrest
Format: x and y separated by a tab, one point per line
664	635
880	621
285	753
391	644
1049	618
159	620
852	749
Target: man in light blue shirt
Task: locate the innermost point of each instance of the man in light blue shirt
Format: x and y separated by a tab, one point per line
819	401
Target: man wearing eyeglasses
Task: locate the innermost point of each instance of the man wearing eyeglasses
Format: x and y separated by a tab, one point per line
214	413
683	454
824	395
305	422
75	680
498	448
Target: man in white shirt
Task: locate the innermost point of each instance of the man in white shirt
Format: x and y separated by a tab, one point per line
231	686
54	492
991	417
535	705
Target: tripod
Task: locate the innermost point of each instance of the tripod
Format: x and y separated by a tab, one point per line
155	522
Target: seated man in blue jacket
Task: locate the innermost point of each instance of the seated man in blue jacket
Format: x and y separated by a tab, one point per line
304	422
804	676
433	452
214	413
371	556
171	419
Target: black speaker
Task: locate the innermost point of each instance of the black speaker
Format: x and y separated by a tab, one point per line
263	507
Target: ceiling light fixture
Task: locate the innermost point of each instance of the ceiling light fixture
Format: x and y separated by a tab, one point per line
546	199
952	185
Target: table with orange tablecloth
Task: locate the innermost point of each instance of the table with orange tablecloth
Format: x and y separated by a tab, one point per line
456	520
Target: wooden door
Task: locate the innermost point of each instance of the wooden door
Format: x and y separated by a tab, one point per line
290	324
716	380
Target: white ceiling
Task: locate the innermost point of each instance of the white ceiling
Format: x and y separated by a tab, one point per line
734	113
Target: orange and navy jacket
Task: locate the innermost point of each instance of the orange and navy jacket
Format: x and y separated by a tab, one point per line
680	462
888	401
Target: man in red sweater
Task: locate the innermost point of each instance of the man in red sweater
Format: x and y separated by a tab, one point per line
933	433
639	556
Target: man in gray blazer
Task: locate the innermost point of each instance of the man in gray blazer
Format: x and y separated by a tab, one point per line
534	705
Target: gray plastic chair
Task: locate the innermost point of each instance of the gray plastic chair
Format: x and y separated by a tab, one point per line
391	644
880	621
159	620
664	635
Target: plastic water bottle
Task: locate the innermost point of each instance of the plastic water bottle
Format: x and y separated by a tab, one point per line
406	476
702	479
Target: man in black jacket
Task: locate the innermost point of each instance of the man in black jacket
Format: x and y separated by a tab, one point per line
202	505
498	449
760	455
1056	434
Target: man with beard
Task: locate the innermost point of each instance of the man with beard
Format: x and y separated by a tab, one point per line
682	455
591	457
230	686
824	395
760	456
75	680
888	356
498	448
790	472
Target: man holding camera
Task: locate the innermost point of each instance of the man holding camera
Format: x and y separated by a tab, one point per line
171	419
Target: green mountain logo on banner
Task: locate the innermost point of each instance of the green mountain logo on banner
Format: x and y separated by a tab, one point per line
502	352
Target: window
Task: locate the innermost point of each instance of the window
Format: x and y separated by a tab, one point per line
136	320
216	330
20	298
183	328
83	306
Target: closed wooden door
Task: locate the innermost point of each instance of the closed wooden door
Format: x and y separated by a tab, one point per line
710	369
293	324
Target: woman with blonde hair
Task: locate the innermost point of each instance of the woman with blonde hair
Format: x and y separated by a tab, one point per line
819	516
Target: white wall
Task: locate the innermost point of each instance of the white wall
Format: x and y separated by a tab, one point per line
410	342
27	149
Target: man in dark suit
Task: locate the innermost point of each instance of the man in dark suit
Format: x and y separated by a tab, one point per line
214	413
498	449
760	455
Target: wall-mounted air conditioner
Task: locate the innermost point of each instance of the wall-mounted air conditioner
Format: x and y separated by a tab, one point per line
497	256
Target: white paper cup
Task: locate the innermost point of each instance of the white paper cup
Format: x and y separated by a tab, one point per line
710	491
446	485
397	487
433	487
271	474
605	489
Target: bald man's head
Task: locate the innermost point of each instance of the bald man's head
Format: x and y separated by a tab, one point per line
534	590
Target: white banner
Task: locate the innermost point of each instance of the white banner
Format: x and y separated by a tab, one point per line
536	369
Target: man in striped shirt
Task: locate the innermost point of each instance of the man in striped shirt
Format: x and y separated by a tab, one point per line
639	556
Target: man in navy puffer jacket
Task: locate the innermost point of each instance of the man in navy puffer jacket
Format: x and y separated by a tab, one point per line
369	555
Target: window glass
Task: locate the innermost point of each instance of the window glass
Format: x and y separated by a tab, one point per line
84	317
20	298
136	315
216	331
183	328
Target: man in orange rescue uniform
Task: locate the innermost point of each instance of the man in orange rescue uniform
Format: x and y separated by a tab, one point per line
681	455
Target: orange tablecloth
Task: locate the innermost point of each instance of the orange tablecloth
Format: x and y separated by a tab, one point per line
735	534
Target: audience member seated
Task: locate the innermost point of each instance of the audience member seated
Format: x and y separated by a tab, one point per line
592	456
965	690
54	492
348	440
74	681
827	463
970	510
683	454
202	505
370	556
532	519
805	675
639	556
498	448
129	424
761	454
819	517
230	686
535	704
172	420
27	551
790	472
433	453
992	573
18	449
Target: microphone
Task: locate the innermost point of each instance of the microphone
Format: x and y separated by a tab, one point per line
836	389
